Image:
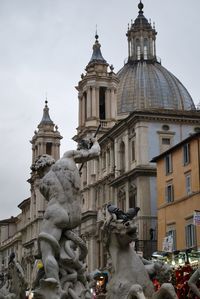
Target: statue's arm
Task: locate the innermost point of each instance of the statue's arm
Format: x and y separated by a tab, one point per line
192	282
81	156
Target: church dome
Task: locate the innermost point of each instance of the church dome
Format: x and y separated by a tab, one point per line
144	82
145	85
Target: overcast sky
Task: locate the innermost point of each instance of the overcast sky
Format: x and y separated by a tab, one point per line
45	46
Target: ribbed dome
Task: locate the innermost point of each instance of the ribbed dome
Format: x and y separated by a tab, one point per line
145	85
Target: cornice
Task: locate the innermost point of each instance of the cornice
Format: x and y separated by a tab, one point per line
29	243
156	115
137	171
179	200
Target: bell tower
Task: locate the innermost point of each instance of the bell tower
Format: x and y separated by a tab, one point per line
97	94
46	139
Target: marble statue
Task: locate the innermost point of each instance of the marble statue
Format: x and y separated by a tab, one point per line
62	251
14	286
130	276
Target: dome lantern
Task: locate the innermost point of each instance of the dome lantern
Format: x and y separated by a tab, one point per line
141	38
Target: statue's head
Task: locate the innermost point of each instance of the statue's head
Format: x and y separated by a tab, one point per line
84	144
119	232
42	163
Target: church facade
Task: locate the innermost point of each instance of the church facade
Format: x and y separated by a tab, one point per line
143	109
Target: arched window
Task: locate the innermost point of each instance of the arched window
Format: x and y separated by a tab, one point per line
138	50
145	48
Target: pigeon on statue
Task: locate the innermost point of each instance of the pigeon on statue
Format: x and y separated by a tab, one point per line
112	209
132	212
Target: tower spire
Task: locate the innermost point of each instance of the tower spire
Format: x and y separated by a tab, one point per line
97	56
46	120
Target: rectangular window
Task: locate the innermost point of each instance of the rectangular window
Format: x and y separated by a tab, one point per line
102	103
168	164
190	235
172	233
108	153
188	184
166	141
133	150
103	160
186	153
169	193
49	148
132	200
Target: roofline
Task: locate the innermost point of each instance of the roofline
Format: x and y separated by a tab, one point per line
166	114
193	136
12	219
24	202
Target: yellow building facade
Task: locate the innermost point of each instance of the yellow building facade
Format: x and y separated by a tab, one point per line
178	189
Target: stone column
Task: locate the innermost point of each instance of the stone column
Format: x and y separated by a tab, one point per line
132	48
56	151
94	102
83	109
89	102
154	47
107	103
127	196
43	147
53	150
39	148
88	171
126	142
113	104
151	48
116	157
80	111
129	48
93	264
97	102
112	160
33	153
142	46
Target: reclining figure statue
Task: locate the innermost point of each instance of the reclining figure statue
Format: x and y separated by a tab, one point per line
62	251
130	278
